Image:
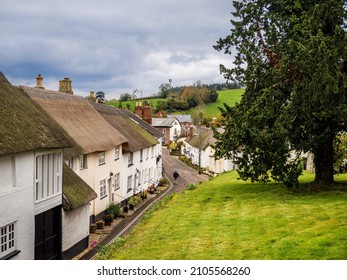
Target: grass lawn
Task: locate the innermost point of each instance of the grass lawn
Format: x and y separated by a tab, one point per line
230	219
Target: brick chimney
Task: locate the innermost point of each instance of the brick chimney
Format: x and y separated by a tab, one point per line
147	114
65	86
39	81
138	109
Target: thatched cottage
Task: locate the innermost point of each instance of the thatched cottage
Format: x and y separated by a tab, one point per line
31	179
140	152
101	143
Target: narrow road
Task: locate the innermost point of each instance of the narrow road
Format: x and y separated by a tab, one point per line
187	174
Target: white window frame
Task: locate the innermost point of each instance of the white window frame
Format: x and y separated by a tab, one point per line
83	162
130	159
103	191
7	239
129	183
101	158
48	175
116	152
116	181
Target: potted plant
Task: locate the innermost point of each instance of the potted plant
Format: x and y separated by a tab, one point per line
92	228
107	219
100	224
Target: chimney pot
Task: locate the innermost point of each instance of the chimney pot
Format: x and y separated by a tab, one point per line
39	81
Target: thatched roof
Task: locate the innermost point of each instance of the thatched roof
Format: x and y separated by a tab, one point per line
207	138
25	126
137	137
152	130
76	192
78	118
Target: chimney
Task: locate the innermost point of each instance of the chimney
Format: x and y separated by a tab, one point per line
92	95
39	81
65	86
138	109
147	114
191	132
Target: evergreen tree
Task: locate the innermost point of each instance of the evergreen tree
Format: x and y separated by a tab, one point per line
291	56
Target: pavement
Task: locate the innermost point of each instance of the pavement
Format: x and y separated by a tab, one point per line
124	225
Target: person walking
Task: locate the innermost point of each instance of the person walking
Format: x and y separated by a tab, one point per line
175	175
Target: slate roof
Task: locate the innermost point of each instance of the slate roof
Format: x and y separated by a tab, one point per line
25	126
182	118
163	122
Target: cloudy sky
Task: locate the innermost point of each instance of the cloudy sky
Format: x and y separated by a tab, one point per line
113	46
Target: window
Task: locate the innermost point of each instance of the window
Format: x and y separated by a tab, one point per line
164	130
83	162
130	159
152	151
147	153
163	141
129	183
48	176
144	174
101	158
72	163
7	239
102	188
150	175
141	155
116	182
140	178
116	153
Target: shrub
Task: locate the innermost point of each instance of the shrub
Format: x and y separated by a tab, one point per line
113	209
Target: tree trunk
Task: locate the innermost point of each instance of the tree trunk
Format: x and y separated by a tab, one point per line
324	164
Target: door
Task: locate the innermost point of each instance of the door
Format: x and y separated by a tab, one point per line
48	235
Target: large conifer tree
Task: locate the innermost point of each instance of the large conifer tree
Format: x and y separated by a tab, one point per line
291	55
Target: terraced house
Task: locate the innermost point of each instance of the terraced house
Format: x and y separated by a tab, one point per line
32	180
141	152
101	156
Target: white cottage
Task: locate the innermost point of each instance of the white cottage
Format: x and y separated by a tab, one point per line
140	152
198	147
31	169
100	162
170	128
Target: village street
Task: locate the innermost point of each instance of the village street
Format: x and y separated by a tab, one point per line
171	163
187	175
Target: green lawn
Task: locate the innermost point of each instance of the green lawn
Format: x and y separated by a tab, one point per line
230	219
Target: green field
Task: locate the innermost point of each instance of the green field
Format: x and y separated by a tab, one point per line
226	219
132	103
229	97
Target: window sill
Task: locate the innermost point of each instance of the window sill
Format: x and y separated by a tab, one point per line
101	198
10	255
130	164
102	163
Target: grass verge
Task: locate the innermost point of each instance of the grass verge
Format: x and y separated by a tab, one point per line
226	218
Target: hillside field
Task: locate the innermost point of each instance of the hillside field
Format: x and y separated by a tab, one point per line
229	219
229	97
